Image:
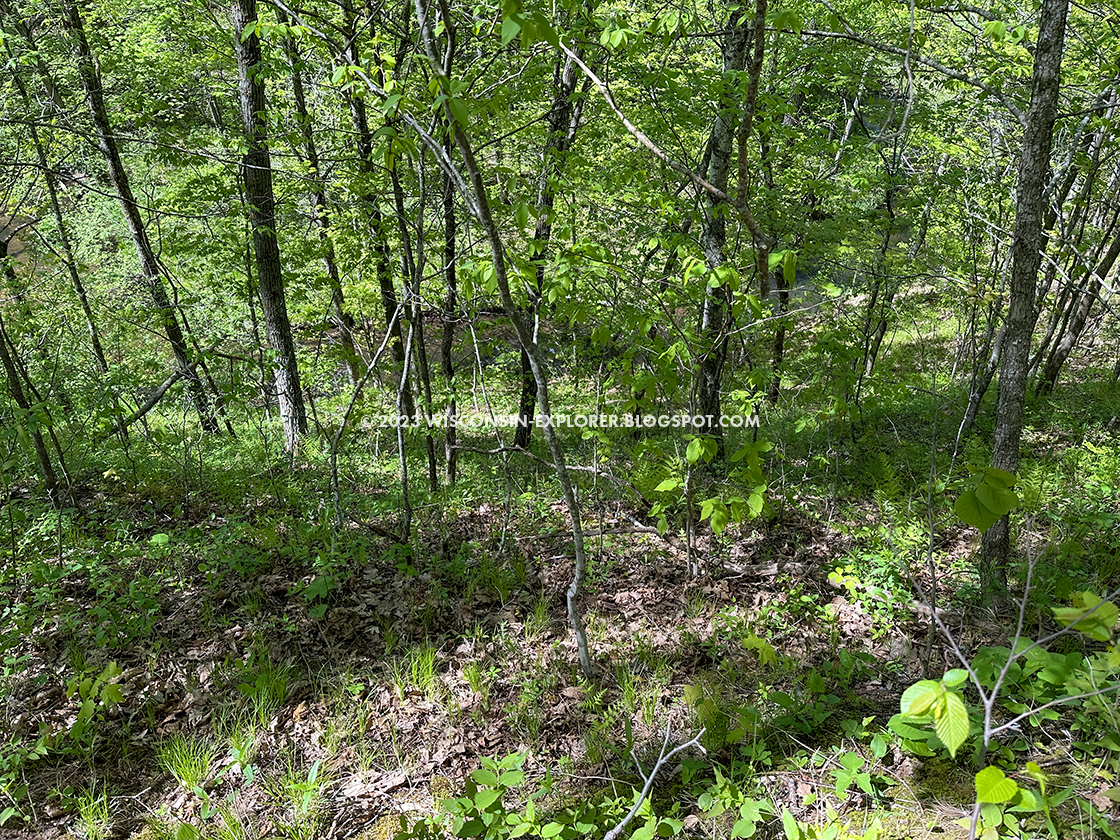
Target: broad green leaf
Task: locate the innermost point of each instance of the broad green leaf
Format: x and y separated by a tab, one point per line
919	698
789	265
521	214
721	517
951	722
972	512
1097	624
112	694
1028	802
485	798
459	111
482	776
993	786
694	451
955	677
511	27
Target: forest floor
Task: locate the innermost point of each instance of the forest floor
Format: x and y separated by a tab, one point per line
259	698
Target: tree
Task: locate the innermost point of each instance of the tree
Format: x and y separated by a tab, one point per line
256	173
342	320
1026	258
150	268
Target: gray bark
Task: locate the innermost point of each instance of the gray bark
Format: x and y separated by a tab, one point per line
715	310
563	122
1026	258
256	172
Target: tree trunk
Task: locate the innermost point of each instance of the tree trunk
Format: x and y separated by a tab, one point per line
450	307
715	310
51	179
412	263
1080	307
563	122
107	143
256	170
364	141
29	422
1026	257
341	319
477	195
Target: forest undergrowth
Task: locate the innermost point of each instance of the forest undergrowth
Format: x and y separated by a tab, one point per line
199	651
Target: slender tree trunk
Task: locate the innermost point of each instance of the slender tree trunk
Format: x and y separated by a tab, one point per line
341	319
29	422
1079	310
1026	257
778	350
149	266
450	314
51	180
256	171
412	260
364	142
715	310
563	122
476	193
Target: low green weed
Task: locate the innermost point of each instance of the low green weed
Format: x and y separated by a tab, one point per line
187	758
266	687
14	758
300	794
94	820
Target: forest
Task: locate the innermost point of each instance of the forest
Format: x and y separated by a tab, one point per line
590	419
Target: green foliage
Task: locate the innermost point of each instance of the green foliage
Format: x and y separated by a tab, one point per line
987	497
187	758
98	695
14	758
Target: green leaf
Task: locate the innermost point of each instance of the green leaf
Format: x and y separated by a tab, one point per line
951	722
789	825
993	786
112	694
789	261
667	485
551	829
458	111
972	512
482	776
1097	624
521	214
668	827
694	451
510	29
901	726
160	539
485	798
919	698
955	677
721	517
